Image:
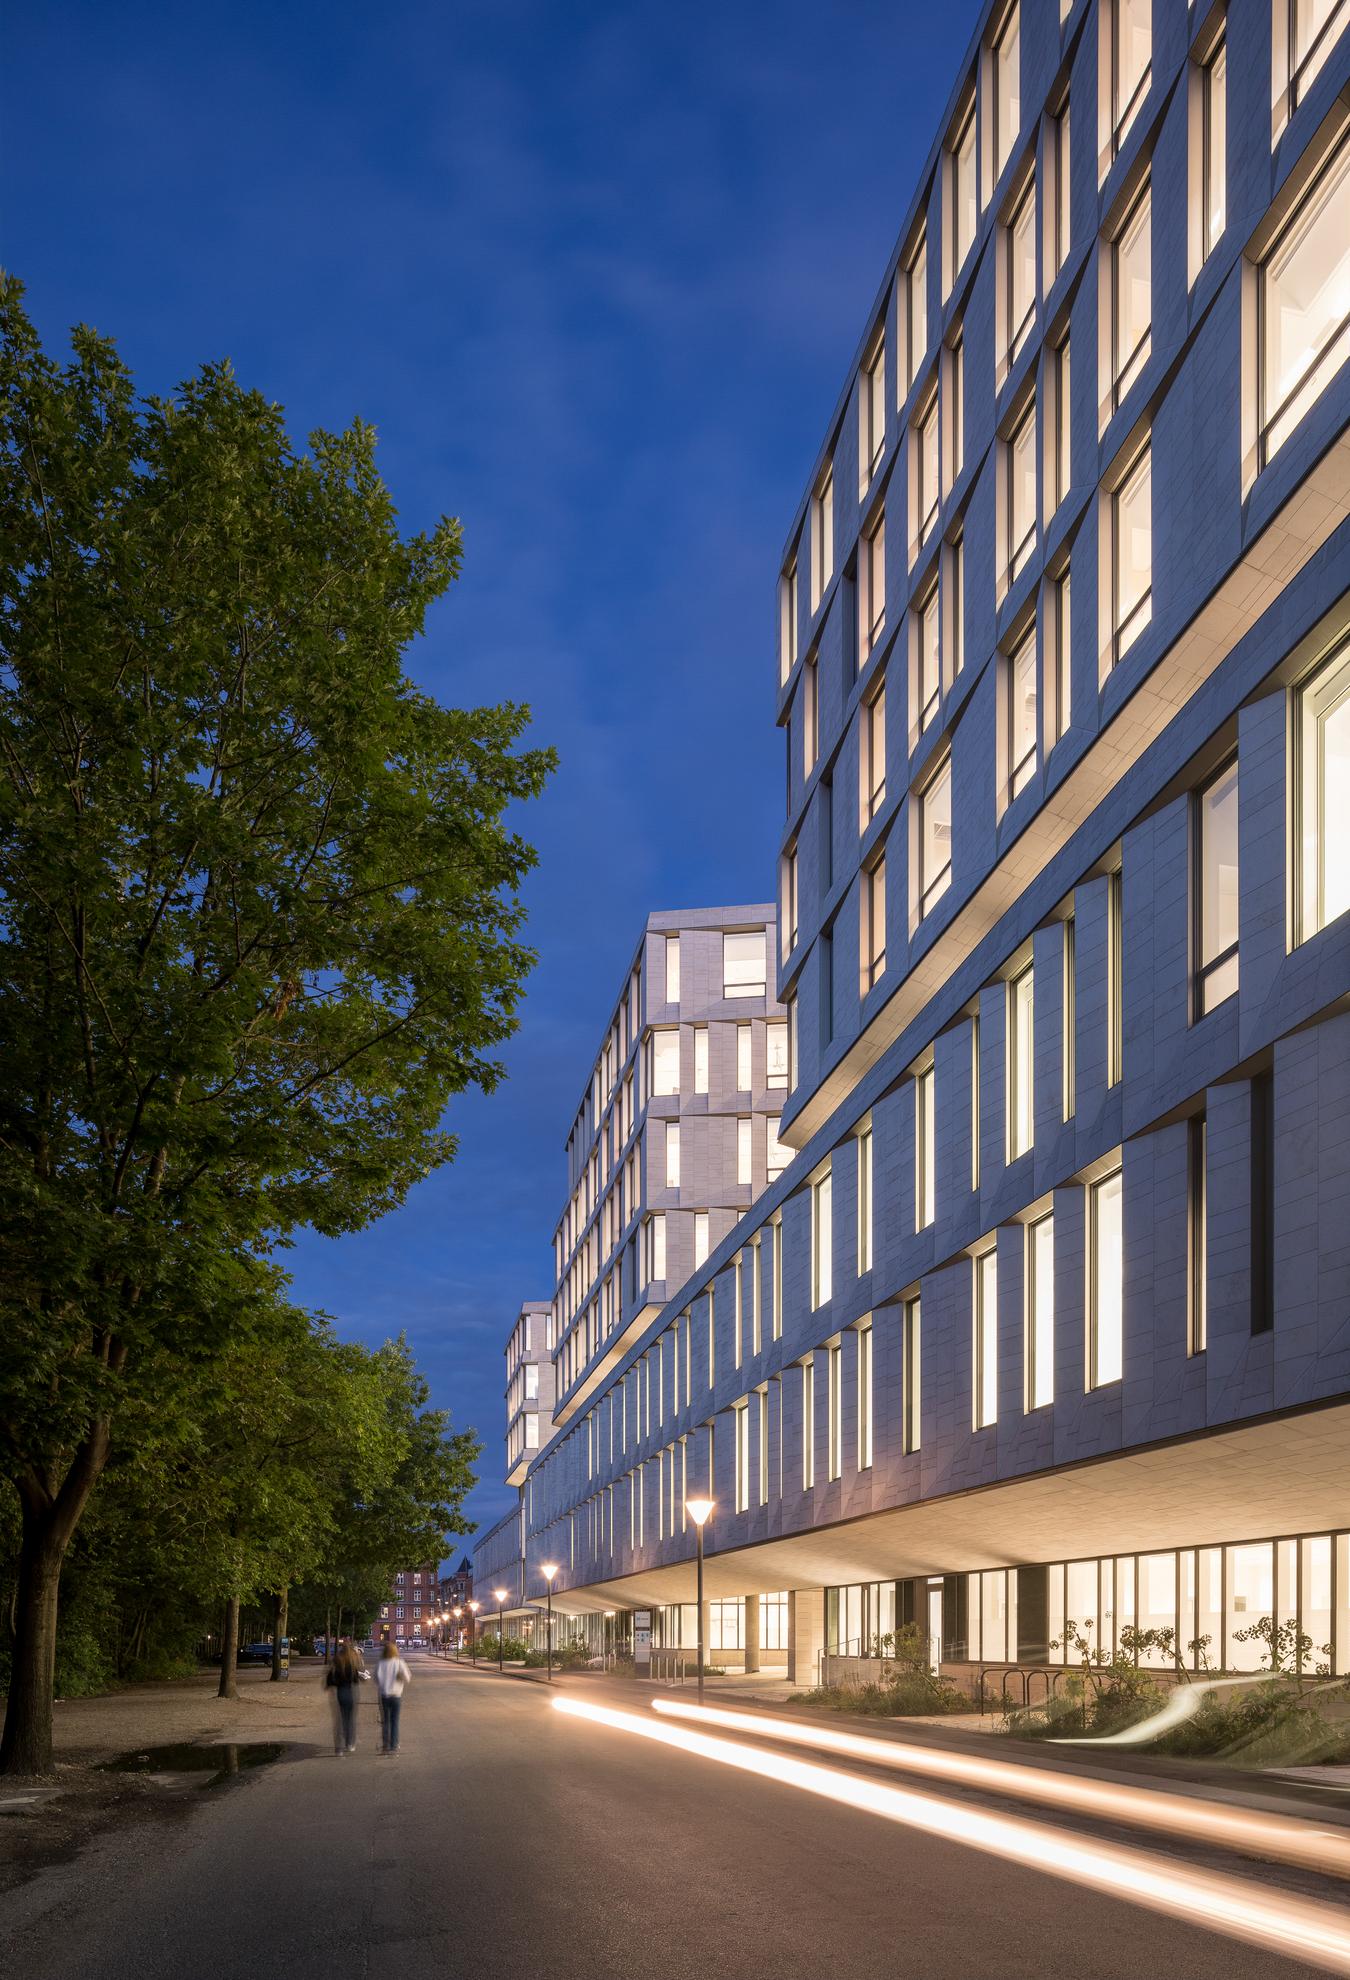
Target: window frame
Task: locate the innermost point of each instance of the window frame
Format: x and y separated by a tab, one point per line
1016	332
1036	1356
1122	120
1020	551
1336	162
1205	970
931	891
984	1369
1096	1378
872	752
1021	1081
873	898
872	412
822	535
1125	632
1127	367
1021	770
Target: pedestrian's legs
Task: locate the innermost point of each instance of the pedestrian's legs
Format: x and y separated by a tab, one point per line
393	1706
347	1702
384	1723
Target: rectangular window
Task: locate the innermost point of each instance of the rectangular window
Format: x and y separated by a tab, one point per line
1197	1223
790	929
925	1149
935	839
872	755
665	1061
910	1371
1315	26
1059	686
954	604
1021	1048
810	694
743	1170
865	1200
1215	829
1007	89
1058	450
787	620
701	1058
872	584
776	1054
1020	248
776	1262
1213	147
1019	453
1132	556
1058	197
1131	59
963	209
927	466
701	1245
1040	1338
954	390
808	1424
986	1340
1322	794
1069	1031
1304	321
743	965
672	969
1020	674
1115	1016
865	1396
1106	1282
873	923
835	1396
756	1299
742	1457
656	1248
672	1154
822	537
871	414
916	312
743	1045
928	657
1131	267
822	1242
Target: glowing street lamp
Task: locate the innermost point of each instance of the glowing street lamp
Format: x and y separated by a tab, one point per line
700	1511
609	1630
548	1569
474	1607
500	1594
458	1615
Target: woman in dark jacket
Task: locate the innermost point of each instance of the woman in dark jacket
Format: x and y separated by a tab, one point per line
344	1677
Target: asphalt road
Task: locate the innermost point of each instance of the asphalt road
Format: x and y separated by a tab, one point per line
507	1839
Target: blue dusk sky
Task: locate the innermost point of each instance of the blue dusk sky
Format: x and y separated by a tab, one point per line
595	272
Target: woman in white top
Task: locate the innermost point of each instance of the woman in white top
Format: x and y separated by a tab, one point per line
392	1676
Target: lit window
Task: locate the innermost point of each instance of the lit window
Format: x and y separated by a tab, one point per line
1323	794
1304	302
916	311
701	1239
1020	461
910	1371
1021	1047
872	413
822	537
1021	271
935	839
1131	57
672	1154
808	1424
1059	194
925	1149
701	1059
743	1043
1132	555
666	1061
834	1369
872	584
672	969
1007	90
927	656
1131	296
790	922
743	965
742	1414
985	1384
777	1154
1213	147
1315	26
743	1150
864	1397
872	755
873	923
927	484
776	1053
655	1231
865	1201
822	1242
1216	906
1040	1336
963	210
787	620
1021	679
1106	1282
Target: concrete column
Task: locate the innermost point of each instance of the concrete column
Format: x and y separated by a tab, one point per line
806	1633
750	1632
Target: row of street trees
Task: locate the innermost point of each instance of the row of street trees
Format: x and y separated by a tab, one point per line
258	924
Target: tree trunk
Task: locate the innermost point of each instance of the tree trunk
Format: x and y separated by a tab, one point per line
50	1517
328	1636
229	1650
281	1606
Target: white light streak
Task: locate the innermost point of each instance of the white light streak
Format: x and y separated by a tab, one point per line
1279	1838
1296	1927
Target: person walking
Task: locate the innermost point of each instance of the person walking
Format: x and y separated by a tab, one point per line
392	1678
344	1675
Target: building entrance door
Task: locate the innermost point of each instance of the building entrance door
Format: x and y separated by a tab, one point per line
935	1627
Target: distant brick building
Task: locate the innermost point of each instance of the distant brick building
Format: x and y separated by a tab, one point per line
456	1588
413	1600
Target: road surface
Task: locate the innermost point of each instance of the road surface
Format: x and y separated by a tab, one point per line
510	1839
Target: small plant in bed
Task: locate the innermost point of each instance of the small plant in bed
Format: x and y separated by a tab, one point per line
905	1687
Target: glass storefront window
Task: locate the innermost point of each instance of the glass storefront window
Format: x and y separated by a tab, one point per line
1250	1596
1158	1603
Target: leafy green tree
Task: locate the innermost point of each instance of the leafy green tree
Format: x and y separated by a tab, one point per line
258	896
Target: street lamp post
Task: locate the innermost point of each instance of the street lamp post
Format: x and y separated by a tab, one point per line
474	1607
500	1594
458	1615
548	1569
699	1510
608	1640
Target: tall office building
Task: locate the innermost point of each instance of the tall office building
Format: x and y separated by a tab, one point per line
1048	1319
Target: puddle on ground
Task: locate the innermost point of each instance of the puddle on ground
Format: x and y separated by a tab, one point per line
219	1761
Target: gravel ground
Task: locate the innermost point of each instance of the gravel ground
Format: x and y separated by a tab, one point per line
47	1821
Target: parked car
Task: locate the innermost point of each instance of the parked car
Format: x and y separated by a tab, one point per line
255	1653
